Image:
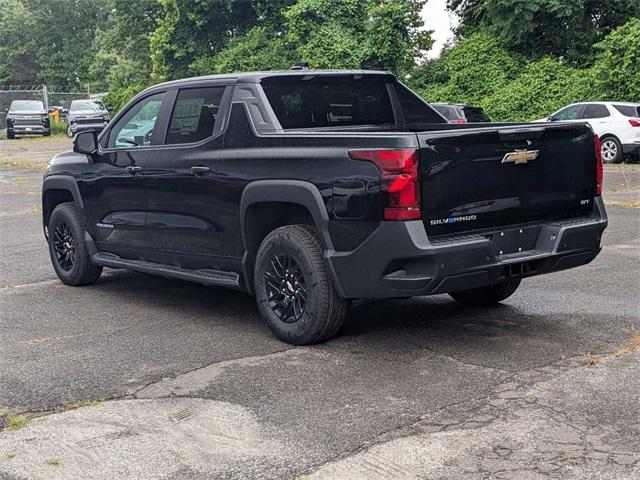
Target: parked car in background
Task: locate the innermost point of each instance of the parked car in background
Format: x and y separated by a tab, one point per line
460	113
27	117
86	115
616	123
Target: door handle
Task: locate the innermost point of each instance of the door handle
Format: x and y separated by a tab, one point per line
199	170
133	169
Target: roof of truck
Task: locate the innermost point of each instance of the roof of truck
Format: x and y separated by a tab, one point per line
256	77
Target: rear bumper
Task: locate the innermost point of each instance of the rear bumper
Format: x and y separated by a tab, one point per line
632	149
398	260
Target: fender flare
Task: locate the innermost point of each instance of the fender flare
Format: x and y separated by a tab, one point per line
288	191
60	182
63	182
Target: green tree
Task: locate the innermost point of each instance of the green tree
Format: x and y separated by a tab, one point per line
48	42
562	28
122	55
617	69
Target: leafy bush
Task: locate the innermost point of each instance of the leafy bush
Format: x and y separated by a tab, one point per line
617	68
481	71
543	87
471	71
58	128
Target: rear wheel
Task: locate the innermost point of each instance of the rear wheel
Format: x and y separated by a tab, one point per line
294	292
611	150
67	249
489	295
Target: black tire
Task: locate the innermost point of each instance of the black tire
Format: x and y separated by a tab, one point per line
487	296
10	136
47	133
296	252
66	233
69	132
611	150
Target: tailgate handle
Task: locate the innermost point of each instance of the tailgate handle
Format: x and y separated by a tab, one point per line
521	133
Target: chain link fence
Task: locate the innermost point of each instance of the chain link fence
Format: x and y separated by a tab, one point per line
51	96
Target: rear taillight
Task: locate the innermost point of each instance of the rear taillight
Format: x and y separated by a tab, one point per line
598	145
459	121
634	123
398	178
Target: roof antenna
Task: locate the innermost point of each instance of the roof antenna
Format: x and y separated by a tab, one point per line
300	66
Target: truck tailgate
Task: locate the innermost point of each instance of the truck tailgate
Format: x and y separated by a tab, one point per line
490	177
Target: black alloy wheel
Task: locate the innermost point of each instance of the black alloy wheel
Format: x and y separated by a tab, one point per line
65	246
286	288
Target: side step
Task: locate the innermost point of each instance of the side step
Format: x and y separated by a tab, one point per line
206	277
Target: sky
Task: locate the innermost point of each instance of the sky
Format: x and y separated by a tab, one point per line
437	18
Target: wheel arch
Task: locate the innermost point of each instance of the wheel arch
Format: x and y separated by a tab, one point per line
57	189
269	204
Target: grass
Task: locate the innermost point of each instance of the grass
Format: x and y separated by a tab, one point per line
623	203
632	344
9	162
53	461
88	403
58	129
14	422
591	360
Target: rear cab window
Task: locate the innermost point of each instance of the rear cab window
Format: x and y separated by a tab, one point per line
321	101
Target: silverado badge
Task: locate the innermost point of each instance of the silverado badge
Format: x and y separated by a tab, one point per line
520	157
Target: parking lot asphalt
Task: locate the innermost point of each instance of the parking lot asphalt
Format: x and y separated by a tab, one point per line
143	377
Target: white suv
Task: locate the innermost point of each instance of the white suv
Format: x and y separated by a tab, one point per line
616	123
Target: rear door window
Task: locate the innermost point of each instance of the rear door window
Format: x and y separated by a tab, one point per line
317	101
194	115
628	110
595	110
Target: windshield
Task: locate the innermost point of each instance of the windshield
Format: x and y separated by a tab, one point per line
93	105
26	106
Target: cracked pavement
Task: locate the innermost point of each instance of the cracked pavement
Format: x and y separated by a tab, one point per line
192	384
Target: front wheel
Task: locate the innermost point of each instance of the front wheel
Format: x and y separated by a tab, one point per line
293	289
67	249
69	132
487	296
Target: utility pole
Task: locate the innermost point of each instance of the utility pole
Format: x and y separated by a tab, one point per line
45	97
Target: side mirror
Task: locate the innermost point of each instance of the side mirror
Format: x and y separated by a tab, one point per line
86	142
551	118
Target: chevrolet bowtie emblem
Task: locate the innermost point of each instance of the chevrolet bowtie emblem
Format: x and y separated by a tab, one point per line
520	157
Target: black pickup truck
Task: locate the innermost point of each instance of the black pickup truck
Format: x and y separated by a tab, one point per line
310	188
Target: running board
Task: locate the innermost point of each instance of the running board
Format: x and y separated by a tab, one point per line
206	277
